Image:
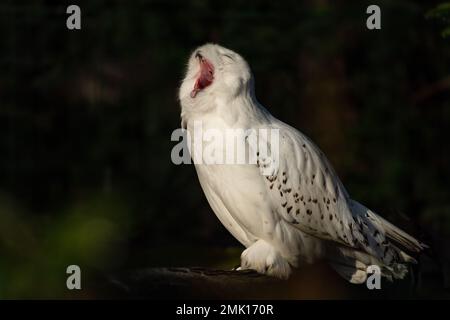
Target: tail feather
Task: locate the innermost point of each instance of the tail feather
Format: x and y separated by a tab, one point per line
396	234
380	243
353	265
388	236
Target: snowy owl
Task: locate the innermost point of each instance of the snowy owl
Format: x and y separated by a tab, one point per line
302	212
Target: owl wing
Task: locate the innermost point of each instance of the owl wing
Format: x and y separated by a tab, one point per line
305	190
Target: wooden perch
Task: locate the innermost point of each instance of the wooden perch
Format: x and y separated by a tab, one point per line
312	282
198	283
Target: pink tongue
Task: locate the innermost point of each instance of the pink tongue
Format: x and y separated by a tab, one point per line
205	79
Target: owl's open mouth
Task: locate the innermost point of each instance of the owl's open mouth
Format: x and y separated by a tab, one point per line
205	77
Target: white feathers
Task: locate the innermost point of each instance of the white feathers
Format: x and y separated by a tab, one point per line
264	258
299	213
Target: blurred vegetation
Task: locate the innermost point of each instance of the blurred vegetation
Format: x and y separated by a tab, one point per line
442	14
86	118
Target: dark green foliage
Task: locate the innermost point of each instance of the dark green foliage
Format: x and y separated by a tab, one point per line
442	14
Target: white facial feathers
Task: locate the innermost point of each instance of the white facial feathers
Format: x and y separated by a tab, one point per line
231	76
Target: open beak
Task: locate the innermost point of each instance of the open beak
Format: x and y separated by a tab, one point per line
206	74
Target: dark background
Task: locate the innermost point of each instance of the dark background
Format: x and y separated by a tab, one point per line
86	118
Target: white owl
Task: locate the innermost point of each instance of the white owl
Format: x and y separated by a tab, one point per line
302	212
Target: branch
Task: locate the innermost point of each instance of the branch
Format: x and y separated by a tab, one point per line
197	283
312	282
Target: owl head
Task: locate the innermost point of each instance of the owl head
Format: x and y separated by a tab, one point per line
215	72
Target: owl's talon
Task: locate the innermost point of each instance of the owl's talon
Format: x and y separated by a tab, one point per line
263	258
